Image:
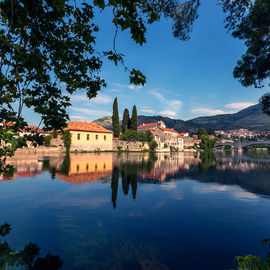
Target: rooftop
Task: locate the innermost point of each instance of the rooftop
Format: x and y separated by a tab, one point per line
86	126
148	125
168	129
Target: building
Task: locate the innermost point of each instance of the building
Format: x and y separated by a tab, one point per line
87	136
158	124
166	138
30	131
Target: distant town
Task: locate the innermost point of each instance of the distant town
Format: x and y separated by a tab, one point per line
80	136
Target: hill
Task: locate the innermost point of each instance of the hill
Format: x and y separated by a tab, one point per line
251	118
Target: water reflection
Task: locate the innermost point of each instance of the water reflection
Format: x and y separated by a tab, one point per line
28	258
139	211
132	168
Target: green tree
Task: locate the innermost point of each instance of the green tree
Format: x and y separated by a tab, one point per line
66	137
153	145
249	21
115	119
48	51
265	101
149	135
207	144
134	119
133	135
202	132
125	121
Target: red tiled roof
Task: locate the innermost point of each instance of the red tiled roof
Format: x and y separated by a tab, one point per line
86	126
148	125
8	124
168	129
31	129
81	178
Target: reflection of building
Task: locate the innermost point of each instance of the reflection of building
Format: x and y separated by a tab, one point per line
168	165
85	168
86	136
25	166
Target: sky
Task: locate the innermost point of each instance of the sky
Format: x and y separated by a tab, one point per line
184	79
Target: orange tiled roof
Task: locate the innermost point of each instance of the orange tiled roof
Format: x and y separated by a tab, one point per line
168	129
86	126
181	134
31	128
148	125
8	124
83	177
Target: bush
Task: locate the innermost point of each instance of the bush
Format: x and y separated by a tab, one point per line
135	136
47	140
207	144
66	137
152	145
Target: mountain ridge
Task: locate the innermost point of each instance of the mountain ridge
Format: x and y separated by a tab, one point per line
251	118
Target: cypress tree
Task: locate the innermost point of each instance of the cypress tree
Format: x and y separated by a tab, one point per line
125	122
115	119
134	119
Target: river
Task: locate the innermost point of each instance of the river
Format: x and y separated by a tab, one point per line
138	211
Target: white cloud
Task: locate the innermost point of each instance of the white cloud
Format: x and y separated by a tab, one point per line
158	95
239	105
130	86
99	99
147	111
78	117
86	114
115	90
174	105
208	111
168	113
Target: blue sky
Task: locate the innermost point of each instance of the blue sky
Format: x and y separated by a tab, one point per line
184	79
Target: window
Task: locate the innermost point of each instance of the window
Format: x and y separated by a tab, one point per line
78	167
78	136
88	137
96	166
96	137
104	137
87	167
104	166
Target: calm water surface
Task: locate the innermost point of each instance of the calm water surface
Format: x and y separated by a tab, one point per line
135	211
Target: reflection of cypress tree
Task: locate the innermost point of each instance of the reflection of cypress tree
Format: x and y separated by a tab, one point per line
125	182
134	180
114	185
53	172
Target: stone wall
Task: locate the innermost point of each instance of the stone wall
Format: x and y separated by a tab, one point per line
83	147
130	146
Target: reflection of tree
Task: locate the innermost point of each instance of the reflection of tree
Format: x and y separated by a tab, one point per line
114	185
28	258
65	165
207	160
125	182
134	180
